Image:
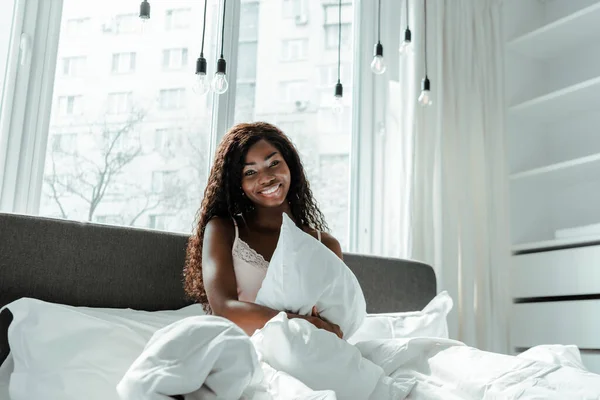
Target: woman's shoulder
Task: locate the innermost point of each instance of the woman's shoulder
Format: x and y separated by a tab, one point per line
221	226
329	241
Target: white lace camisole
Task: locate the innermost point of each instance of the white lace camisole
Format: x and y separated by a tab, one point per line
249	266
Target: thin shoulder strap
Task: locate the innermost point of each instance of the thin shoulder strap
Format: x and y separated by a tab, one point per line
319	235
236	228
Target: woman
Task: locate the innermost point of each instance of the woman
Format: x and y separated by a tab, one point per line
256	177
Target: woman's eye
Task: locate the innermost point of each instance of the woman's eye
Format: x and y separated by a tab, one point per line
275	163
248	173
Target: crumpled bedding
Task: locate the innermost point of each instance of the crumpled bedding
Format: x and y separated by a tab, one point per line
209	357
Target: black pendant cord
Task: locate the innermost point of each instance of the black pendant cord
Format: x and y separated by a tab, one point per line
203	28
339	37
379	23
223	28
425	35
407	11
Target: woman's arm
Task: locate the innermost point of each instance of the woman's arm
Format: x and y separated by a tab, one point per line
221	286
332	244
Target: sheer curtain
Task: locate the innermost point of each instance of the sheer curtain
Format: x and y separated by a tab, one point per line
449	197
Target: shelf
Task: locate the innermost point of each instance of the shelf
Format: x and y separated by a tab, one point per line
584	169
578	28
566	102
555	244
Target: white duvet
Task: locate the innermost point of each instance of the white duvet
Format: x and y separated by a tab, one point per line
294	360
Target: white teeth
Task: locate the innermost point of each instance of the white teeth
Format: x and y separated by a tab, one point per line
270	190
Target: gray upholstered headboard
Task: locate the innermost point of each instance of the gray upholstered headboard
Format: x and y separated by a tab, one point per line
83	264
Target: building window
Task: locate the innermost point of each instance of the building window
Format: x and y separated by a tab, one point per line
292	91
249	24
175	58
247	51
77	26
159	221
111	219
245	101
64	142
328	75
332	29
70	105
292	128
294	49
294	8
171	99
127	23
123	63
168	139
177	19
161	180
73	66
119	103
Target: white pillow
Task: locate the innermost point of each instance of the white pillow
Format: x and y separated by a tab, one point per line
430	322
66	353
304	273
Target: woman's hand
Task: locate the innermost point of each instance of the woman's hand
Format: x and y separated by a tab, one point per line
320	322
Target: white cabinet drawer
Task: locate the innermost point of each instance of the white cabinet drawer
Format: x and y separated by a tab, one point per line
564	322
556	273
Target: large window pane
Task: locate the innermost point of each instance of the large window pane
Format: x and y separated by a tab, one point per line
292	84
128	141
7	8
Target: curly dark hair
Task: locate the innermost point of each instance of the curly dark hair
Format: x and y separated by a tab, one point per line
223	196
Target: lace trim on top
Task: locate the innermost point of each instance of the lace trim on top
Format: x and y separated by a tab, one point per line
243	251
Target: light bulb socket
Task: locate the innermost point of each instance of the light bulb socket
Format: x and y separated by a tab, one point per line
201	66
407	35
145	10
339	90
221	66
425	85
378	50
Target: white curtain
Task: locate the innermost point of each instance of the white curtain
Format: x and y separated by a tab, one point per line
448	203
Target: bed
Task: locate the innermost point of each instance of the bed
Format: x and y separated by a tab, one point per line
99	266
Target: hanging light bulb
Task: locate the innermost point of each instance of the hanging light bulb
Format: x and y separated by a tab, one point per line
219	83
145	10
338	100
201	84
406	46
378	64
425	96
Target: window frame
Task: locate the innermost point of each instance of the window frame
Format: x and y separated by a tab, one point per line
29	92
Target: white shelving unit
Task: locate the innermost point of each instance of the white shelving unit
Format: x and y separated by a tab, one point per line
553	134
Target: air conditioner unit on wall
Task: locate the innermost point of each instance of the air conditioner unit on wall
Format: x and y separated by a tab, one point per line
301	19
301	105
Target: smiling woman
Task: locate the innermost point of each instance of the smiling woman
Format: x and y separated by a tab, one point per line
256	178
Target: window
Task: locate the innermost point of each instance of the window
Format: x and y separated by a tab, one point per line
6	24
119	103
292	91
161	179
324	142
73	66
160	222
66	142
69	105
104	171
109	219
247	50
77	26
127	23
123	63
332	31
171	99
294	8
175	58
177	19
294	49
249	25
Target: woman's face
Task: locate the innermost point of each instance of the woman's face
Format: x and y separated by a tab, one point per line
266	176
